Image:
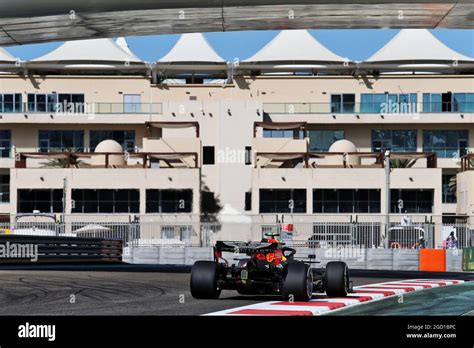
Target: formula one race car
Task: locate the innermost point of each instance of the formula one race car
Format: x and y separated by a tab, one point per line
270	270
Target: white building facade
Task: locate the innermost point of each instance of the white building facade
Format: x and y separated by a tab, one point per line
197	135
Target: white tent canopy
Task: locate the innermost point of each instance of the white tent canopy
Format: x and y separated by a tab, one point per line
415	45
92	228
192	48
294	46
91	51
228	214
5	56
123	44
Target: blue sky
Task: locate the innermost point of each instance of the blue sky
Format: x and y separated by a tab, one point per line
351	43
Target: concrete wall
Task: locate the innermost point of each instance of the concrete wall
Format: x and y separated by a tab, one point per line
372	259
375	259
166	256
454	260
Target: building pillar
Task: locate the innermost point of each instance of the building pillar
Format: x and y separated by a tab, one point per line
142	209
309	198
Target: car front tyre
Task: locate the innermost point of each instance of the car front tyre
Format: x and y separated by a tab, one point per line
298	284
336	279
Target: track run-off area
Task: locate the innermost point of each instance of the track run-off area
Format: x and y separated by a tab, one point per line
152	291
362	295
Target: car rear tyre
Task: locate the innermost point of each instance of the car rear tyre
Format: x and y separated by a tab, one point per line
336	279
298	284
204	276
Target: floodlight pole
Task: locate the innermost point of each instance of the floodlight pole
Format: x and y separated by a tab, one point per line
387	196
64	204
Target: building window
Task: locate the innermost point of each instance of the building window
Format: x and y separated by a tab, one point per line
4	188
60	140
71	102
283	201
169	201
42	102
463	102
177	232
342	103
346	201
287	133
248	155
446	102
208	155
126	138
10	102
248	201
321	140
448	195
5	143
446	143
394	140
388	103
414	201
132	103
42	200
90	201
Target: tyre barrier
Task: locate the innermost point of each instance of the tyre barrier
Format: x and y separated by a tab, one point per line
45	249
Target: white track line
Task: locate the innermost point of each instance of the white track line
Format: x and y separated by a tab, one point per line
320	304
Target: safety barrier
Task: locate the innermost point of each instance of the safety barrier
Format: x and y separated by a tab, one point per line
47	249
356	258
433	260
468	259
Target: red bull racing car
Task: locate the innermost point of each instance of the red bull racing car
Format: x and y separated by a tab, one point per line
269	269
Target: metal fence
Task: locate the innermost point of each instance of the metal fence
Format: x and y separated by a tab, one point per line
307	234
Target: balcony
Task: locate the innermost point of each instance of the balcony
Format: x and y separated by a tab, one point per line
289	160
181	137
373	112
106	160
367	108
80	112
82	108
467	162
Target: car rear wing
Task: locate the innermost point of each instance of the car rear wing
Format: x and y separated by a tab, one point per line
247	247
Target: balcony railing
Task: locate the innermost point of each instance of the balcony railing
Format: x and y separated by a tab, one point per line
388	107
82	108
467	162
288	160
106	159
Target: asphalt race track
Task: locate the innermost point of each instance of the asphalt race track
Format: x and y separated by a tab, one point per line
78	292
